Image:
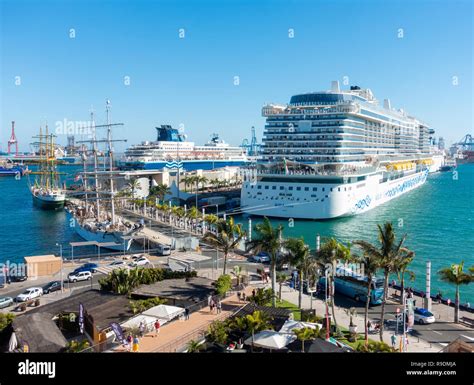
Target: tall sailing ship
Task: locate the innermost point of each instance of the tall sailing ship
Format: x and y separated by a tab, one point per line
94	215
336	153
46	189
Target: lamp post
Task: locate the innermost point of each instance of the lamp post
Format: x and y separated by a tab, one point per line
327	308
61	256
250	229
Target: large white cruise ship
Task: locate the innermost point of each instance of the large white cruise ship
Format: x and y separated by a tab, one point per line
335	153
171	150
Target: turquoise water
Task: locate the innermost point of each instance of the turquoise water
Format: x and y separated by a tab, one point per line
438	218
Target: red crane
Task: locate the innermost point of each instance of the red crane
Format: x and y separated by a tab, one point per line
13	140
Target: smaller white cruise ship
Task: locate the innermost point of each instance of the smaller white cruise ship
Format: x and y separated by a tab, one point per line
171	150
336	153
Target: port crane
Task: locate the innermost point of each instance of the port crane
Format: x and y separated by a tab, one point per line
252	147
13	141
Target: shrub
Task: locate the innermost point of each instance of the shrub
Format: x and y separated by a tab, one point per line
141	305
218	332
77	346
223	284
5	320
375	347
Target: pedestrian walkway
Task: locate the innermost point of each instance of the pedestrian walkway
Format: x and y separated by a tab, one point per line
414	344
177	334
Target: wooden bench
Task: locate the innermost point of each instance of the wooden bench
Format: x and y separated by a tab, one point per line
468	321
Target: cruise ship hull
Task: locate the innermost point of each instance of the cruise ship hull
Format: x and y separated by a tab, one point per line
344	200
187	165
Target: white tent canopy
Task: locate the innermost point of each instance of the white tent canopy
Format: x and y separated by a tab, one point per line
164	312
270	339
290	325
147	320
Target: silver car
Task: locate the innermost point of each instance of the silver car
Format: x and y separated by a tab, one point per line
5	302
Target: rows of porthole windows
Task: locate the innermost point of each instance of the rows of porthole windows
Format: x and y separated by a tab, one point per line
299	188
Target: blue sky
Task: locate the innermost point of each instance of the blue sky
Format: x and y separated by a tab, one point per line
190	81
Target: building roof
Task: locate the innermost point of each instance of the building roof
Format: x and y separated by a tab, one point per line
194	289
39	332
317	345
278	315
103	307
42	258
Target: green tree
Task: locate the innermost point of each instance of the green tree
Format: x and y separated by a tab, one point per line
228	236
132	186
401	269
194	346
456	275
268	239
305	334
371	263
387	253
218	332
223	284
330	254
262	297
281	279
5	320
160	191
298	254
75	346
256	322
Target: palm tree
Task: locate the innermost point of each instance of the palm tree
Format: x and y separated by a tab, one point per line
281	279
256	322
269	240
160	191
371	264
297	255
193	346
401	268
305	334
455	275
387	254
187	182
132	186
329	255
227	237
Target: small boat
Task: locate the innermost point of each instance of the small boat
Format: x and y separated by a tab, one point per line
8	168
449	165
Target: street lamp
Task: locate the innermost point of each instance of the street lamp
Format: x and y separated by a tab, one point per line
61	256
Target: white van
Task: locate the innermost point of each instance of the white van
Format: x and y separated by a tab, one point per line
163	250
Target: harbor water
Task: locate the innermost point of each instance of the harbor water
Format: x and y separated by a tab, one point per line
438	219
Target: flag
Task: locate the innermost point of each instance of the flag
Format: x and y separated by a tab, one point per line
118	331
81	318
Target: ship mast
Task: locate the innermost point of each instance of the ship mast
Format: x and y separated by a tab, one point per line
94	151
111	161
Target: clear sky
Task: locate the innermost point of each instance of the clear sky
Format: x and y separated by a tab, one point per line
191	80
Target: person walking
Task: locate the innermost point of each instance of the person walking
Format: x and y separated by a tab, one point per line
129	342
219	306
186	314
244	297
141	327
136	343
157	328
239	295
394	341
211	305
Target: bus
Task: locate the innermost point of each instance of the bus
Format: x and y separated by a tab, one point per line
355	286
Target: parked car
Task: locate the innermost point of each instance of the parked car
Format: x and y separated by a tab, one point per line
51	287
28	294
92	267
423	316
142	261
117	263
5	302
80	276
261	257
17	278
